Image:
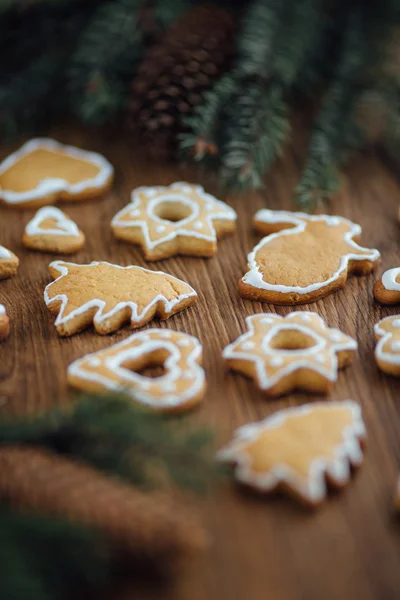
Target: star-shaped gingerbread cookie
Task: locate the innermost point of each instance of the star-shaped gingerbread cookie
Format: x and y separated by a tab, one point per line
297	449
179	219
298	351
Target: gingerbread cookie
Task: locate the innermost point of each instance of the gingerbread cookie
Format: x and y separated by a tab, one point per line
43	171
178	219
303	258
8	263
110	295
387	289
387	350
51	230
283	354
4	323
297	449
118	368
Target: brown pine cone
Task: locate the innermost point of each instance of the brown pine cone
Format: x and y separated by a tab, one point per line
150	525
176	72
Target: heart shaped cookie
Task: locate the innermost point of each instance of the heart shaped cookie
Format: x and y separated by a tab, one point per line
118	367
43	171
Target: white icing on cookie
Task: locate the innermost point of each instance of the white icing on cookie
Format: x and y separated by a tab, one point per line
389	280
264	355
312	486
101	315
182	381
53	185
2	309
388	346
4	253
65	225
254	276
189	226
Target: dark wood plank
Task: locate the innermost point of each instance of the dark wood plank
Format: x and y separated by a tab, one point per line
263	548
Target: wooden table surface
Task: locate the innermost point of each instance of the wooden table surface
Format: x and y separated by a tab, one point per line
264	548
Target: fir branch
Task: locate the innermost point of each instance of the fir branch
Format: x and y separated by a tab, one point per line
200	141
335	130
114	435
22	97
258	129
108	53
294	43
257	125
35	65
104	60
255	44
42	558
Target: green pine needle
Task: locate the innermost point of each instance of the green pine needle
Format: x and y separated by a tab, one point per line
43	558
258	130
114	435
105	59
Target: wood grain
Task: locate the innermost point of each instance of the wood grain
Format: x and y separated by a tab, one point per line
264	548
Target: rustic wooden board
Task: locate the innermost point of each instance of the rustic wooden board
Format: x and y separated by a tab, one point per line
263	548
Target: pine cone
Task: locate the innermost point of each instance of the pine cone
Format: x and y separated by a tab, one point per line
152	525
176	72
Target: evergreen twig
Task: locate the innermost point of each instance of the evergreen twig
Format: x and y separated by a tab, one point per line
42	558
114	435
105	59
108	53
337	130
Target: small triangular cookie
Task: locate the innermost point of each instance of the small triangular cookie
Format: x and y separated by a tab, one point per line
51	230
8	263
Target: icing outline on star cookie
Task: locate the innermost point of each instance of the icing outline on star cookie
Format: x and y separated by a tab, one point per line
53	185
144	201
387	349
68	227
254	277
182	366
313	488
334	341
99	317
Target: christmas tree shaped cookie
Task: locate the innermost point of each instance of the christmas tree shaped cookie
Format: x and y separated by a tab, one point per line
303	258
297	450
51	230
283	354
180	387
44	171
178	219
109	296
8	263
